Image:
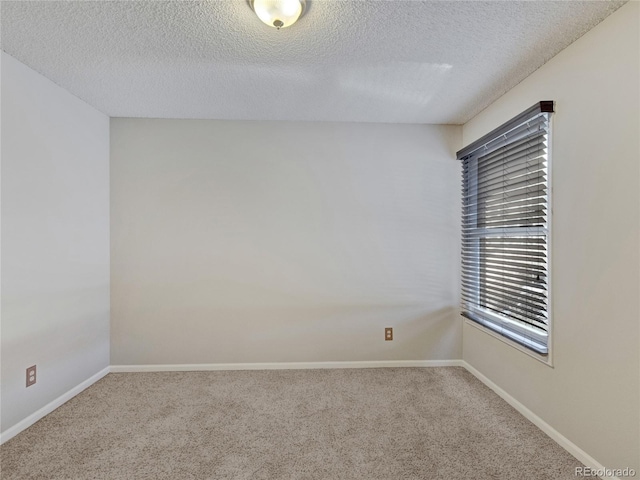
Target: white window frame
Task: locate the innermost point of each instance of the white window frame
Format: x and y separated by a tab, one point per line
516	327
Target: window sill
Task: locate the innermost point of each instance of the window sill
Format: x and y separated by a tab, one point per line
545	359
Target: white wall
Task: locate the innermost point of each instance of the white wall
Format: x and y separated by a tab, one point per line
591	396
55	240
283	242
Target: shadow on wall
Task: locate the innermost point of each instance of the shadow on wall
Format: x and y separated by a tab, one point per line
64	332
357	332
288	333
226	251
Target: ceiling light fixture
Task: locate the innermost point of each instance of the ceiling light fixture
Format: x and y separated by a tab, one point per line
278	13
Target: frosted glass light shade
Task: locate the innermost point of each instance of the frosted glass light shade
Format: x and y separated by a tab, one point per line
278	13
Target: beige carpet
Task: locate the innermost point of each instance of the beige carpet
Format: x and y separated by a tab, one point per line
395	423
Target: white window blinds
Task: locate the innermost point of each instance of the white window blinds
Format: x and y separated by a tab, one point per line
505	208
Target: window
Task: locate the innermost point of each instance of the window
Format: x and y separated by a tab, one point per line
505	230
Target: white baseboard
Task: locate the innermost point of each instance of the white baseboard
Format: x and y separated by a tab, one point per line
560	439
51	406
283	365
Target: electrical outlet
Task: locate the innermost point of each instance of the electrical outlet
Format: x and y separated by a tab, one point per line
31	375
388	334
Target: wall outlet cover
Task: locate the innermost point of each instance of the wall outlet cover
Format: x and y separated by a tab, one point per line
31	375
388	334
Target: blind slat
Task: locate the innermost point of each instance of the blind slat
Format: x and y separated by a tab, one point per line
488	253
533	297
532	155
514	146
513	197
536	182
501	215
508	282
490	276
500	302
507	208
513	170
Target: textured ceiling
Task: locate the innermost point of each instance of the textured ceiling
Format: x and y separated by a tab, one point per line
345	60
